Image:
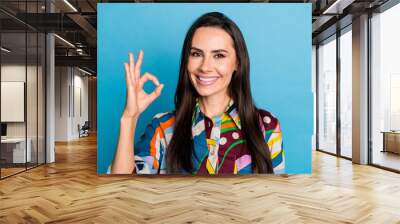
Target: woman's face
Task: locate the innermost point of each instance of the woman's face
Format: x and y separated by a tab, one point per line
212	61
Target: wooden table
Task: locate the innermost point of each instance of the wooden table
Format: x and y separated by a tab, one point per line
391	141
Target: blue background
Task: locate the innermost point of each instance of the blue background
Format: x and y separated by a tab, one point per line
278	37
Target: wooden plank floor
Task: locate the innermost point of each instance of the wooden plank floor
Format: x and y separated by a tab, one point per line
70	191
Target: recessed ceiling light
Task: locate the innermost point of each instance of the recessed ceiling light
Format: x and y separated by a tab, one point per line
337	7
84	71
70	5
5	50
64	40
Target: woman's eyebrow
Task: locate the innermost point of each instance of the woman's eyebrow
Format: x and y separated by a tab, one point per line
219	51
196	49
213	51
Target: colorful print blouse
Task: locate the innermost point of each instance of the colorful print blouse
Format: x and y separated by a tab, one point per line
219	147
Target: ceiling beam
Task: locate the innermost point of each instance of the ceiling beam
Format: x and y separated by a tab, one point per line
84	24
83	61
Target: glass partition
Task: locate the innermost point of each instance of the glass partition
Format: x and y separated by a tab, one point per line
13	104
22	88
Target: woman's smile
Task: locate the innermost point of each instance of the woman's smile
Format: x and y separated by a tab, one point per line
206	80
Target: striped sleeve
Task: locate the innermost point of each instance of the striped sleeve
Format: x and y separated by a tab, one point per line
275	145
150	149
273	138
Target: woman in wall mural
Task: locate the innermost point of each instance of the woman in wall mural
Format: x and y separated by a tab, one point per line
215	127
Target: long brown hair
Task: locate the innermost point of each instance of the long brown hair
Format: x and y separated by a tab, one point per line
180	149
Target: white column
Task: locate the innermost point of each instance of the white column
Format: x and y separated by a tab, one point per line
50	92
50	100
360	90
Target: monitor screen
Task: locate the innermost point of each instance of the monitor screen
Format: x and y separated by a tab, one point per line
3	129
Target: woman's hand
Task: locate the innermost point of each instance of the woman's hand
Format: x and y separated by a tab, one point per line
137	100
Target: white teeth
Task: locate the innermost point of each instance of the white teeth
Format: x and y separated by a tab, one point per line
207	79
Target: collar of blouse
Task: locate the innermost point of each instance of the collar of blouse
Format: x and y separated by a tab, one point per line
198	116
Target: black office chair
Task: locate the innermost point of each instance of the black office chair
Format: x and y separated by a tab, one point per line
84	130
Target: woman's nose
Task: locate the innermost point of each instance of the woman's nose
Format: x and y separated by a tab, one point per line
206	64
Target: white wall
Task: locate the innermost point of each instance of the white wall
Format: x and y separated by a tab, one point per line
71	94
62	81
12	73
80	102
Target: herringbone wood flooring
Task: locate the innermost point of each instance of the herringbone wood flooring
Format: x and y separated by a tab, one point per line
70	191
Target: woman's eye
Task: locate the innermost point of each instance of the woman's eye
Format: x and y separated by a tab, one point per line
194	54
219	56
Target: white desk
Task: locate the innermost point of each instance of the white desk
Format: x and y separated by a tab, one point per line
18	149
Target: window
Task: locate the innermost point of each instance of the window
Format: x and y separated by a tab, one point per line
385	88
327	95
346	92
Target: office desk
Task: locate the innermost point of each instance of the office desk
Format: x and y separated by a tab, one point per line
16	147
391	141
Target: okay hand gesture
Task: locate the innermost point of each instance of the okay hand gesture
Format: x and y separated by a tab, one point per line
137	100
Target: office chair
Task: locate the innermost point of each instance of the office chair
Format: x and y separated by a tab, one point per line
84	130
